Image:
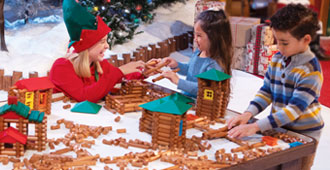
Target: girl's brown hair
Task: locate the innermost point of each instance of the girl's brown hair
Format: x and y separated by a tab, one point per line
217	27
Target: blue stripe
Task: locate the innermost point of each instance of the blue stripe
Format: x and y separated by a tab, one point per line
307	90
279	98
277	82
272	121
306	130
256	105
316	64
301	104
265	89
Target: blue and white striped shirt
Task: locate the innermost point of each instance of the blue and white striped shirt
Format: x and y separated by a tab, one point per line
293	91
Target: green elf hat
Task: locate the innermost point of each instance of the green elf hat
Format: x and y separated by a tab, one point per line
84	29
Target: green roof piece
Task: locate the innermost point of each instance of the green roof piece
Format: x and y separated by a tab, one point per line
4	109
86	107
34	115
41	117
21	109
179	97
213	74
168	105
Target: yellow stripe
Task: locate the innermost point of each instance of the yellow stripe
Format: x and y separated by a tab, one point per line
311	114
315	73
289	114
275	64
298	70
264	97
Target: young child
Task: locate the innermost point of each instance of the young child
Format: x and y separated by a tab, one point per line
212	35
84	74
292	83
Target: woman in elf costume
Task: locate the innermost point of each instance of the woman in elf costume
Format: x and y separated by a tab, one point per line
83	74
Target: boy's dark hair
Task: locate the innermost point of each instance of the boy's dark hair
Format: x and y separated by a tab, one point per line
297	20
217	27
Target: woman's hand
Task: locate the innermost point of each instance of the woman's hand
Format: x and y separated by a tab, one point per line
239	120
131	67
243	130
173	77
172	63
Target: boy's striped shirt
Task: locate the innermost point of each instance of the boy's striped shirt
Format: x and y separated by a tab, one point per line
293	90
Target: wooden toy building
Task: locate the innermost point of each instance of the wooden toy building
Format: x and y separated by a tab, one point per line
166	119
21	128
213	94
34	92
132	94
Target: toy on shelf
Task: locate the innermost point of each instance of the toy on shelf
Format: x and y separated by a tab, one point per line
34	92
168	120
16	128
213	94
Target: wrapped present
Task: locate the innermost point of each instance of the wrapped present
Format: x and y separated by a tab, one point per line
241	29
266	36
239	59
258	58
202	5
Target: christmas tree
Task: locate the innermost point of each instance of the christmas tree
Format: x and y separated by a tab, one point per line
123	16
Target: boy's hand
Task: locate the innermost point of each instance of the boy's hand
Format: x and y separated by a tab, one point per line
239	120
173	77
172	64
243	130
131	67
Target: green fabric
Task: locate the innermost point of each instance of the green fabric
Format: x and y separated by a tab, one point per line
86	107
76	19
213	74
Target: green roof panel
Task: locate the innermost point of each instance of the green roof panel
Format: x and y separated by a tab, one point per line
41	117
213	74
173	104
86	107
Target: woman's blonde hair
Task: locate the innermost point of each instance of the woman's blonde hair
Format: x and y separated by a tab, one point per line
80	62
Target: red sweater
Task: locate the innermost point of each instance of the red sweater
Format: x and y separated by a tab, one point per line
65	79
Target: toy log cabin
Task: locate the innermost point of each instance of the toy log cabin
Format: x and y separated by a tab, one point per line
34	92
146	118
213	94
169	121
21	128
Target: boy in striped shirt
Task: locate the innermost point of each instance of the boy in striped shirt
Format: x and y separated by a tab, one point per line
292	83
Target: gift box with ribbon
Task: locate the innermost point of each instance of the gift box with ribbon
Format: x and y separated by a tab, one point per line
266	36
258	58
241	29
239	59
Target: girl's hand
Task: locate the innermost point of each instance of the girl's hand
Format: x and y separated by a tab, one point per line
239	120
131	67
243	130
173	63
173	77
153	62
